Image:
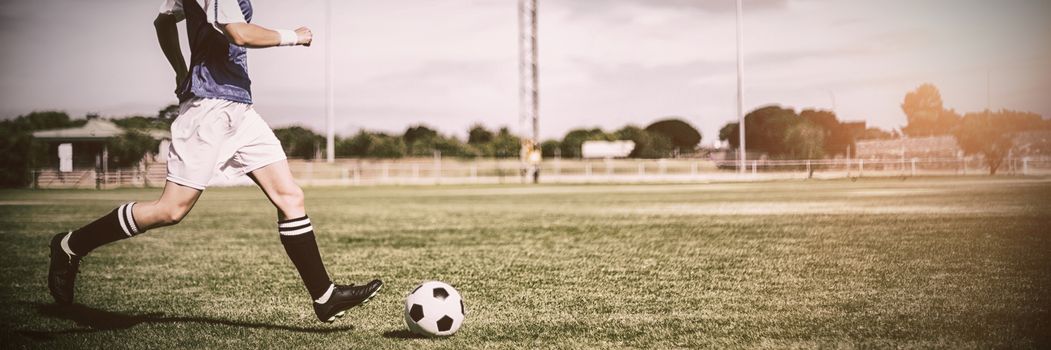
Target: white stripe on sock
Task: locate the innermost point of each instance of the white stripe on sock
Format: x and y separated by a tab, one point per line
131	218
328	294
297	232
65	244
301	222
120	218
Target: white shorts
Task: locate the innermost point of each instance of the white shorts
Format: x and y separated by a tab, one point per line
213	137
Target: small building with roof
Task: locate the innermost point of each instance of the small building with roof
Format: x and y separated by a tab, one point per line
78	155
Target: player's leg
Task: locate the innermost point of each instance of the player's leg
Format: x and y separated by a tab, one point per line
126	221
198	137
297	236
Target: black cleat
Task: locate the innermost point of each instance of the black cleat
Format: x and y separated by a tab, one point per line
62	273
346	297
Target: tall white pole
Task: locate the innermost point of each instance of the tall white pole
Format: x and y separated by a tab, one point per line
536	76
523	114
740	95
528	91
330	134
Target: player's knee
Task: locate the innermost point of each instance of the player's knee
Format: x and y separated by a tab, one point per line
173	215
291	199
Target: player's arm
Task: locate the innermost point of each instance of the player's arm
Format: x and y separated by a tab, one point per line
256	36
168	37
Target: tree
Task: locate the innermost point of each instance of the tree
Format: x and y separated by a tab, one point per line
877	134
479	135
418	132
729	134
18	152
681	134
805	140
355	146
837	137
984	133
386	146
781	133
143	123
551	149
648	144
128	149
168	113
365	144
504	145
925	113
453	147
764	130
991	134
419	140
299	142
574	140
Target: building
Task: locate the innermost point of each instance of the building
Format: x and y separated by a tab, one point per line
76	156
908	148
1032	144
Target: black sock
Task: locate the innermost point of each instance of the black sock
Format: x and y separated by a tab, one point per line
115	226
297	235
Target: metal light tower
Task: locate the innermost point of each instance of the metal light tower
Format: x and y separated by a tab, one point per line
528	91
330	143
740	95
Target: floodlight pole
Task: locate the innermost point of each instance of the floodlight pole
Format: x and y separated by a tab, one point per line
528	91
330	134
528	88
740	96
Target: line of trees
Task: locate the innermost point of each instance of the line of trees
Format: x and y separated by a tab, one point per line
781	133
986	133
664	138
19	153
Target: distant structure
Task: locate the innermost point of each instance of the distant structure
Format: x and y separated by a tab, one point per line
89	141
1032	144
908	147
529	92
1026	144
606	149
84	149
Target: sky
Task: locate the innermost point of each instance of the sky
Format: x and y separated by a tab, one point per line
449	64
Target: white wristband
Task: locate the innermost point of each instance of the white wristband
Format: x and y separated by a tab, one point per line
288	37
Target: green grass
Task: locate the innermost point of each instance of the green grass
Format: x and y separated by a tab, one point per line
942	262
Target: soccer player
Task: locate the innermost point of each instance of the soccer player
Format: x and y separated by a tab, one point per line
217	132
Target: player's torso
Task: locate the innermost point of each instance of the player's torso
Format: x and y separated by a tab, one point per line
218	69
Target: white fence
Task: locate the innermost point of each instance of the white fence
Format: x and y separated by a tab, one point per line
427	171
350	172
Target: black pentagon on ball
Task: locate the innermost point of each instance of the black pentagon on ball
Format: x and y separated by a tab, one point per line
462	311
416	312
445	323
440	293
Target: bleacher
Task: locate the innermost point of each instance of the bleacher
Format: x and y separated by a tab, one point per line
908	148
1033	144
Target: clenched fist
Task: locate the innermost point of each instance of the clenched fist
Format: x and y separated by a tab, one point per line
305	36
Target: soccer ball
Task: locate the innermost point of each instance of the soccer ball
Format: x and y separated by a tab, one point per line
434	309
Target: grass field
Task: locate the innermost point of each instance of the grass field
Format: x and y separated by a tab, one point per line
937	262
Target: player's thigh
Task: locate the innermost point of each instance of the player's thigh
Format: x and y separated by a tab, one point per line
274	176
174	203
179	196
277	182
